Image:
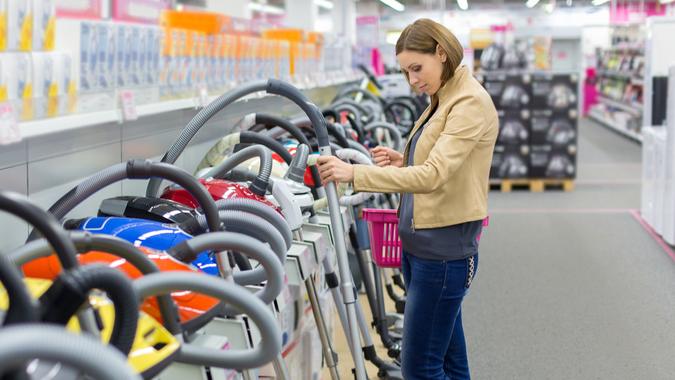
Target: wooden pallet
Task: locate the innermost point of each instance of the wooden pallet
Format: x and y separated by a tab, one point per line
533	185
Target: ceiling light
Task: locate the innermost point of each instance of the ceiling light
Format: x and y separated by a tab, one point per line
463	4
550	7
531	3
599	2
324	4
394	5
666	1
264	8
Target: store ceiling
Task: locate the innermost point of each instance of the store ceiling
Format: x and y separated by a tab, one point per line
452	4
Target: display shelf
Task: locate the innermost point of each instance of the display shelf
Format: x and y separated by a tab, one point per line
628	107
611	125
35	128
620	74
627	48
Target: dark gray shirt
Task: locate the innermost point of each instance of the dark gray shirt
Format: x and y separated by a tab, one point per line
454	242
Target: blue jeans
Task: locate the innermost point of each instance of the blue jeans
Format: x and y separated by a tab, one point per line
433	346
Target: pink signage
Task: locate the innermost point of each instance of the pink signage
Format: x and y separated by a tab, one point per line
84	9
143	11
635	12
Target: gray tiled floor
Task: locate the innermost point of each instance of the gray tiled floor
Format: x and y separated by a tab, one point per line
570	286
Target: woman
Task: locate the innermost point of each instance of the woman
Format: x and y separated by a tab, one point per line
443	177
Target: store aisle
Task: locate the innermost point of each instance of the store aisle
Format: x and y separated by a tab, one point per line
570	285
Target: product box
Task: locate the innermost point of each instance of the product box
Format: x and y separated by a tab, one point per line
53	85
555	92
16	82
89	56
105	41
510	162
3	24
44	24
547	162
19	25
514	127
153	43
494	84
508	91
549	128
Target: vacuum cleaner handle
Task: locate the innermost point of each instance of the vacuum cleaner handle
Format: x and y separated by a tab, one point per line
393	130
259	185
85	242
137	169
270	121
240	299
71	290
22	308
216	154
370	75
272	269
354	90
44	222
256	208
271	86
21	344
359	158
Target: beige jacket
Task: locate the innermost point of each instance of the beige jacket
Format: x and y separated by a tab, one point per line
452	159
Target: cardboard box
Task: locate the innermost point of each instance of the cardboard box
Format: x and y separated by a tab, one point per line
19	25
514	127
44	24
547	162
549	128
510	162
556	92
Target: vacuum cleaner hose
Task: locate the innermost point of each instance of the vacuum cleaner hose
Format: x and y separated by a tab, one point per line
21	344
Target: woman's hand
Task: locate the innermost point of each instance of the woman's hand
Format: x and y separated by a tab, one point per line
333	169
384	156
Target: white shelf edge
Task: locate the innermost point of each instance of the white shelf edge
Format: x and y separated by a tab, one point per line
53	125
608	123
43	127
624	106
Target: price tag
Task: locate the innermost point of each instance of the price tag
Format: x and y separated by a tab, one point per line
202	96
9	125
128	105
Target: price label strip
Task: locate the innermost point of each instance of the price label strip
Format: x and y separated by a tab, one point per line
9	125
128	105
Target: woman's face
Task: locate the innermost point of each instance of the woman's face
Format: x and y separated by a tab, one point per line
424	70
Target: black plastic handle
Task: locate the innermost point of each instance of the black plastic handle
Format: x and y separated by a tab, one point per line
20	206
22	308
71	289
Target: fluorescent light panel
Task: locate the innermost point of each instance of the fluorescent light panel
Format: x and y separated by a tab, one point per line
531	3
265	8
666	1
599	2
324	4
463	4
394	5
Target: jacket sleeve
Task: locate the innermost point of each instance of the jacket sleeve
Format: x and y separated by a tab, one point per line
464	127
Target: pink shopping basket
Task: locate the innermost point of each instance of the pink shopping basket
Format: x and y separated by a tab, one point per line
385	245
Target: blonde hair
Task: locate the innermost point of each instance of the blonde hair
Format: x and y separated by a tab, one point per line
426	36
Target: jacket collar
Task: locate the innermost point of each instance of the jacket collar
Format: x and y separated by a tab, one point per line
441	96
443	93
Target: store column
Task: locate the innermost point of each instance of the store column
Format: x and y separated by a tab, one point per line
344	19
302	14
